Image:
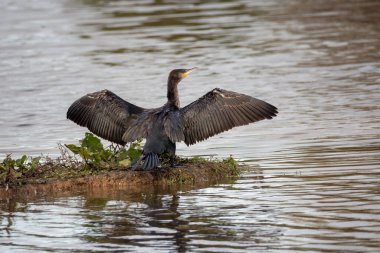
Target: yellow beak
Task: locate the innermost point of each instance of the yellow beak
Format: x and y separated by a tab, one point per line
188	71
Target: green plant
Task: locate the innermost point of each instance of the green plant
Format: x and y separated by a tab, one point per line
135	150
11	169
91	150
21	162
232	165
94	154
8	163
34	162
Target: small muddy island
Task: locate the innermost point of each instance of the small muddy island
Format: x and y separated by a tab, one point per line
89	166
62	181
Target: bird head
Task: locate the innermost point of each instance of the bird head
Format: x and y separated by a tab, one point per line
177	75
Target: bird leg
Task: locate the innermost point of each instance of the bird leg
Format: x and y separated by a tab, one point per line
136	162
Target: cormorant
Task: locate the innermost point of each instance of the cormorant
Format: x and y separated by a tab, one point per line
114	119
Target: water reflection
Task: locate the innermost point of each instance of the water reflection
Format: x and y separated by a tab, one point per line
202	219
260	211
146	220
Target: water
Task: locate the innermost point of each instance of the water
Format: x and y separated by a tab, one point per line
315	186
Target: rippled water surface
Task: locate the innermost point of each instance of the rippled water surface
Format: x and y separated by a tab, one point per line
315	185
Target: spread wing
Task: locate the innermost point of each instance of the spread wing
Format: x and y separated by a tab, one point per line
220	110
105	114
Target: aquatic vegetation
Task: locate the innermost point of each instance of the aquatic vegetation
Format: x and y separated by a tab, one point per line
232	165
12	169
75	160
91	157
94	154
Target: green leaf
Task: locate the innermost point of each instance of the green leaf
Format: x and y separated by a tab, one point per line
135	150
73	148
83	152
92	143
2	167
34	163
134	153
122	154
95	158
106	155
20	162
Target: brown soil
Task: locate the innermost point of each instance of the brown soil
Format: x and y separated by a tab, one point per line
189	175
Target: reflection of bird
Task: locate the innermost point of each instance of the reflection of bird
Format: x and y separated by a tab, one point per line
116	120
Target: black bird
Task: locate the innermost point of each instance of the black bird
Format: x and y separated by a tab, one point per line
114	119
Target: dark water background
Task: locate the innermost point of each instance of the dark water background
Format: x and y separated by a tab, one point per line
316	182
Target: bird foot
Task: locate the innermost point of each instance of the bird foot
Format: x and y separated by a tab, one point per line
136	163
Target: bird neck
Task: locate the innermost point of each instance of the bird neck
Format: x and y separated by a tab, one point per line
173	97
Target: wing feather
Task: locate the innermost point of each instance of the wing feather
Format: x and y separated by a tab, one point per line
105	114
220	110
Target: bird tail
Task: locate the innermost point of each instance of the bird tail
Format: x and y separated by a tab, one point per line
151	161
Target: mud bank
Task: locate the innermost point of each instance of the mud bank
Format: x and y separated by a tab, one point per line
186	176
